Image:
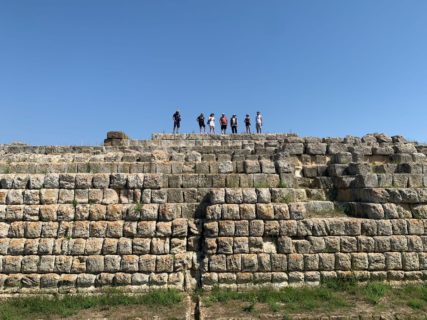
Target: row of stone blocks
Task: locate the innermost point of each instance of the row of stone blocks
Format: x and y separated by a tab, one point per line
139	181
360	261
96	263
34	283
251	280
98	229
177	196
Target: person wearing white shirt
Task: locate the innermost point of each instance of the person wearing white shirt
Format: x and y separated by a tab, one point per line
258	121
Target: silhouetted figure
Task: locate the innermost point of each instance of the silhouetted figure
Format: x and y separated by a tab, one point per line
248	123
201	121
233	123
224	122
211	122
258	120
176	121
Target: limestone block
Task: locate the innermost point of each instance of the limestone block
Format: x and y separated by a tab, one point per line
369	228
112	263
316	148
382	244
45	246
226	228
30	264
376	261
288	228
85	280
256	228
109	246
95	196
217	196
271	228
160	246
146	228
241	245
36	181
153	181
51	181
415	243
163	229
225	245
265	211
67	181
326	261
410	261
50	280
332	244
31	197
398	243
264	262
234	263
129	263
93	246
230	211
233	195
65	212
15	197
249	262
16	246
110	196
249	196
158	196
33	229
225	167
211	229
247	211
241	228
218	263
348	244
140	279
81	196
297	210
169	211
251	166
178	246
263	195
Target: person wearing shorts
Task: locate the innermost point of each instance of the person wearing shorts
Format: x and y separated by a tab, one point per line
201	121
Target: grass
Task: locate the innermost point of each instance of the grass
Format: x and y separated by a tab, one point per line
336	295
68	305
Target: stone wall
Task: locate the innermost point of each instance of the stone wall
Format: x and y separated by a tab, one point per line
190	211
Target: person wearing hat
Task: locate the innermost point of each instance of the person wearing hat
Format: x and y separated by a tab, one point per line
233	123
224	122
258	121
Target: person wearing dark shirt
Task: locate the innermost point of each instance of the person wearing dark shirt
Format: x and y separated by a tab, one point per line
233	123
248	123
201	121
224	122
176	121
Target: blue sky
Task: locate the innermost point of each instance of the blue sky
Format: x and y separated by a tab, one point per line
71	70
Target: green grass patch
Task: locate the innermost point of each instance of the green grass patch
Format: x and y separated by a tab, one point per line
68	305
336	295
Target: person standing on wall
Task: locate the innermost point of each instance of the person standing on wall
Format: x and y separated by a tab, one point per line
233	123
248	124
258	120
176	121
201	120
211	123
224	122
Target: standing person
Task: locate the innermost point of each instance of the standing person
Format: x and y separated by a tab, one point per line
211	122
224	122
176	121
248	124
201	120
233	123
258	120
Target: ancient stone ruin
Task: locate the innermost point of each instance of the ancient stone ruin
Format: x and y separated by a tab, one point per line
193	211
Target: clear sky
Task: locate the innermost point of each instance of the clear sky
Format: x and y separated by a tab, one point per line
71	70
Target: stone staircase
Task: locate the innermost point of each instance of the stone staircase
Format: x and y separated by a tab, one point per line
191	211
